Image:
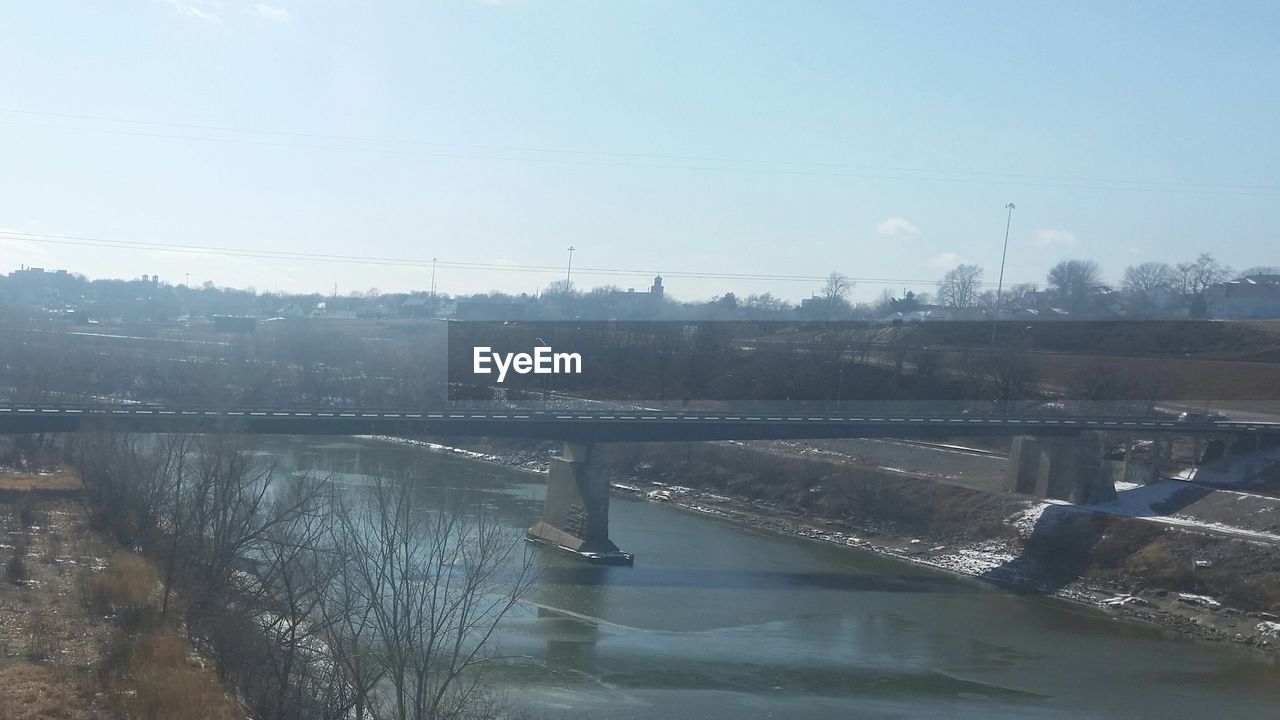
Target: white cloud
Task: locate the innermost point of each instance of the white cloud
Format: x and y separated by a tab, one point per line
946	260
201	11
897	225
273	13
1049	237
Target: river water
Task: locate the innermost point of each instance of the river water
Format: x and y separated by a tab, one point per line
720	621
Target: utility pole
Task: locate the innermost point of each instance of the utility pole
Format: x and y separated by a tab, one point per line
433	277
569	270
995	315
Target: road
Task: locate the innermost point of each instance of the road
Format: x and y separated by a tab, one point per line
593	426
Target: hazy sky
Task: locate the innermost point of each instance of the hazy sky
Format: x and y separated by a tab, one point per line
778	138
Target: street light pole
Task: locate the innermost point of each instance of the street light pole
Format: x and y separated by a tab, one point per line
546	381
995	316
433	277
840	384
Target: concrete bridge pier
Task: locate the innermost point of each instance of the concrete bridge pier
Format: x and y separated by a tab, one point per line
1063	468
575	516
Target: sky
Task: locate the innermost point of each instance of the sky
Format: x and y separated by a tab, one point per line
735	146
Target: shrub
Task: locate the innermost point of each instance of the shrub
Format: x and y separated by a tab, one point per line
41	643
16	569
52	549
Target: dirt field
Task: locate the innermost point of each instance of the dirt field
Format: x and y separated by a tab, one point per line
80	633
50	643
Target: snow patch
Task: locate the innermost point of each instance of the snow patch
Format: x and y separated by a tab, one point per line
433	447
1199	600
1122	600
1242	469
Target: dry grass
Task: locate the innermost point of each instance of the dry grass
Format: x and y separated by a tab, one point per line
61	661
154	676
64	479
32	692
127	587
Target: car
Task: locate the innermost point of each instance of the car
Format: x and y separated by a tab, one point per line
1196	418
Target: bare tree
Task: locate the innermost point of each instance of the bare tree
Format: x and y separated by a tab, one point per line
1194	277
884	304
960	287
295	677
835	295
1010	375
430	585
1144	283
766	305
1075	281
560	288
836	287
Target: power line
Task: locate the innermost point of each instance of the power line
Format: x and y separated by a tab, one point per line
658	161
83	241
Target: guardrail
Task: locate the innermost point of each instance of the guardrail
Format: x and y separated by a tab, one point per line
595	426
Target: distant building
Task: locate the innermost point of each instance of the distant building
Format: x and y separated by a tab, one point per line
40	287
1253	296
629	304
293	310
419	307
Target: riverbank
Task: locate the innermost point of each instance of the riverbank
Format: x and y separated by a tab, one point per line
1125	567
80	632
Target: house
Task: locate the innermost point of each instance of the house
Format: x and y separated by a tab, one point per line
1252	296
419	307
292	310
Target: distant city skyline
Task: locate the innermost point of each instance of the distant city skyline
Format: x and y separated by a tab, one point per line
880	140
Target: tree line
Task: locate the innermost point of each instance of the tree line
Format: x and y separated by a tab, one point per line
317	601
1077	287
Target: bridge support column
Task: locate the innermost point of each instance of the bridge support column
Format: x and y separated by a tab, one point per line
1069	469
575	516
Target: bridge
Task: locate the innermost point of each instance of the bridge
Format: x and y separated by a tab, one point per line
1053	455
591	426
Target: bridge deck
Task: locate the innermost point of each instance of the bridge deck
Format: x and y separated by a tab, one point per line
578	426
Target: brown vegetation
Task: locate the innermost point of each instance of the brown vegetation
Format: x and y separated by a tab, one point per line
153	675
306	597
37	692
62	479
73	612
127	588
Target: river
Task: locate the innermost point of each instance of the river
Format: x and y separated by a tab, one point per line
720	621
